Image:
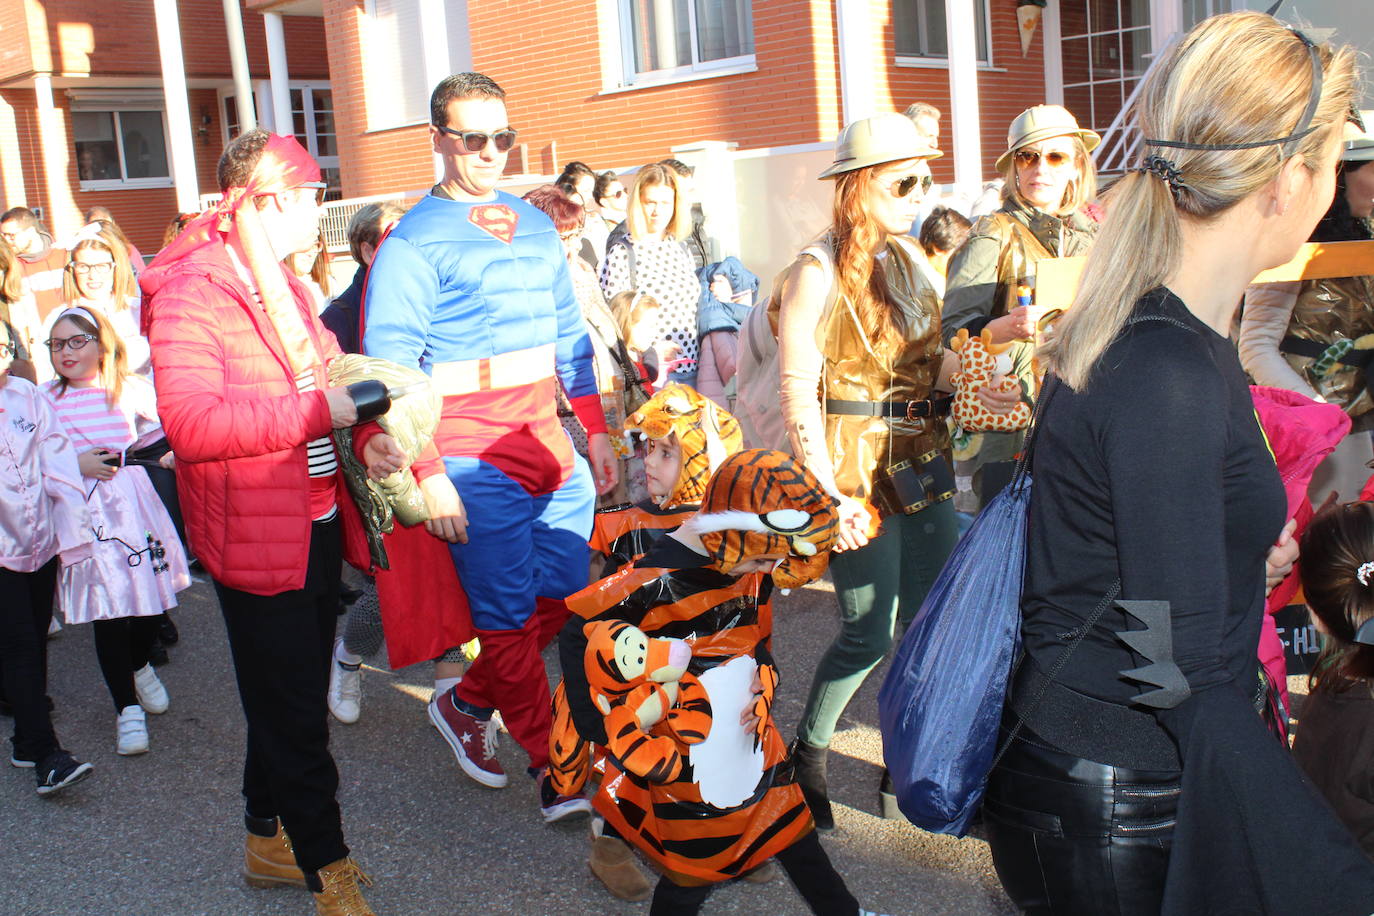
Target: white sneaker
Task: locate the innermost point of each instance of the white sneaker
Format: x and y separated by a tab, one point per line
345	689
132	732
152	696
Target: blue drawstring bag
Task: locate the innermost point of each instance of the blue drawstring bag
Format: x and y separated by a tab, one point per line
940	707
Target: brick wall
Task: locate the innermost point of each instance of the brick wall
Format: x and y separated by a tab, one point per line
142	213
553	78
1014	84
545	54
119	37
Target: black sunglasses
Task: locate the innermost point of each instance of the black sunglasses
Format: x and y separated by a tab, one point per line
904	186
474	141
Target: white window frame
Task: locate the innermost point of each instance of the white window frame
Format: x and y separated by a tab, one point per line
629	79
124	184
925	60
262	104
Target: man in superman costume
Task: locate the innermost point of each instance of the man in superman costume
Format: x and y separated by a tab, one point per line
472	287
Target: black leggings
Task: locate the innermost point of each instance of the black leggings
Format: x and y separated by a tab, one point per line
25	612
122	646
1072	837
806	865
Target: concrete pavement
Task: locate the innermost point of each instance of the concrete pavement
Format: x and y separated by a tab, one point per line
163	834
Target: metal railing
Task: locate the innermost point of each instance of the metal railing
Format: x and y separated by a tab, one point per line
335	214
1121	141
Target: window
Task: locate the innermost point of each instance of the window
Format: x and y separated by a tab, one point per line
675	38
1106	49
920	32
312	119
1194	11
120	148
397	88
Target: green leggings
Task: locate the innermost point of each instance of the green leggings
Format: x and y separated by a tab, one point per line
879	583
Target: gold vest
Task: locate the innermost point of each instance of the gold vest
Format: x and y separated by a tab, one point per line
860	368
1328	311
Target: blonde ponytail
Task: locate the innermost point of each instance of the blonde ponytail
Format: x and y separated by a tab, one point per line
1237	80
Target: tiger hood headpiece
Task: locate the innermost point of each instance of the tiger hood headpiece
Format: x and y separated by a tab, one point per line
707	434
762	502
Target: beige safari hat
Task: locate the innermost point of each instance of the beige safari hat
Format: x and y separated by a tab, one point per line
886	137
1041	123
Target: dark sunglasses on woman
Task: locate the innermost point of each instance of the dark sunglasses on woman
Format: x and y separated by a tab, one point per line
904	186
474	141
1029	158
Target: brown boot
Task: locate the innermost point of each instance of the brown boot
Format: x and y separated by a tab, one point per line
268	859
341	895
614	864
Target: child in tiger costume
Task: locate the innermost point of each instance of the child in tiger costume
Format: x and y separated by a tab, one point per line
688	437
764	521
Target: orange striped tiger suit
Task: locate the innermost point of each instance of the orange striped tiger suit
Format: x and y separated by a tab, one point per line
672	592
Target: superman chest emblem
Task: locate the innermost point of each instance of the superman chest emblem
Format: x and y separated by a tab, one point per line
496	220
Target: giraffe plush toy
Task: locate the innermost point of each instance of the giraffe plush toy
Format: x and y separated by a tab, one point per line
979	360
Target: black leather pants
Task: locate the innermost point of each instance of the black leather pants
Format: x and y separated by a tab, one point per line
1071	837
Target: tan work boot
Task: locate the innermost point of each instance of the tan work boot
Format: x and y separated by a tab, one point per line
269	861
614	864
341	895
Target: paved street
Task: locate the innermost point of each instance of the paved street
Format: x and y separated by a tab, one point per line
162	833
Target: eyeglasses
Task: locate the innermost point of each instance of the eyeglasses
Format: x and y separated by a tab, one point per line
99	268
902	187
1029	158
474	141
619	194
570	234
75	342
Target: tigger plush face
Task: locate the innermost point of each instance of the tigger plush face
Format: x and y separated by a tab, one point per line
621	658
764	503
705	435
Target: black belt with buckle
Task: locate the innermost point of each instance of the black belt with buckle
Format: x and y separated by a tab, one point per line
897	410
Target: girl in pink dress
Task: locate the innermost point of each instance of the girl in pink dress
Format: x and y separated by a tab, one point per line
137	566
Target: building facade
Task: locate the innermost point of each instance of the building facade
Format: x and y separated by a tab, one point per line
93	109
84	117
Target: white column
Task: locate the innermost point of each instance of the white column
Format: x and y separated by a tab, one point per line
964	116
714	165
858	77
434	44
12	186
181	146
276	69
1166	21
1053	36
53	150
238	62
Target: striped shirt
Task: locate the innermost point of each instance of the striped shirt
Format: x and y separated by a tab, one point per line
90	422
322	463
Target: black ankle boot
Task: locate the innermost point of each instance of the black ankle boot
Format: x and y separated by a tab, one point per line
808	767
887	798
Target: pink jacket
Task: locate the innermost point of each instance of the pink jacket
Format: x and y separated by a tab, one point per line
1301	433
44	509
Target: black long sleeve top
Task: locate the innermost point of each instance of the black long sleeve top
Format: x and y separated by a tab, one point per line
1157	474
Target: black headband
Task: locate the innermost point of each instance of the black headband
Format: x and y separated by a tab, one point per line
1289	143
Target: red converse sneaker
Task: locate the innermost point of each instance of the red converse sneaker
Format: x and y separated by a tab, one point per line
473	740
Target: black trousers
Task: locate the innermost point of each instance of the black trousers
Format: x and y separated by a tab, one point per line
25	612
282	646
122	646
1072	837
807	866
